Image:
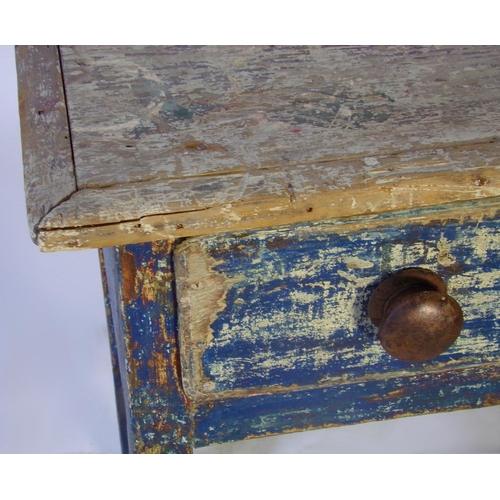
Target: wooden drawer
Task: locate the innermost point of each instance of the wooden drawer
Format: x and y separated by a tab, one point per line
274	311
286	183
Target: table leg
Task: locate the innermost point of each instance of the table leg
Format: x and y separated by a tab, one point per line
154	412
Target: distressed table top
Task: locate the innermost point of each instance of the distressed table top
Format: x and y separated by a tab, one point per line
132	144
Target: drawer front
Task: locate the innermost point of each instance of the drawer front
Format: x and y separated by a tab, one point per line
287	309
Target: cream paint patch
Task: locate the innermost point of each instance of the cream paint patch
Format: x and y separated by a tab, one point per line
445	258
357	263
303	298
200	309
359	283
483	241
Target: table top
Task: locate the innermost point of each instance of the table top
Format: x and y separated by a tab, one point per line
133	144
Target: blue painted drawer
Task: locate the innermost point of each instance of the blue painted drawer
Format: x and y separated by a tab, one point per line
286	310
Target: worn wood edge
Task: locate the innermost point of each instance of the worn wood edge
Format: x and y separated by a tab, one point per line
448	395
131	201
199	397
461	211
195	269
120	401
392	194
159	414
146	405
442	189
49	172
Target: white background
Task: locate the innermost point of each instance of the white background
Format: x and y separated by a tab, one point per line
56	389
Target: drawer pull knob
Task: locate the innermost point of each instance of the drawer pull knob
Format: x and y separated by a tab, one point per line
417	319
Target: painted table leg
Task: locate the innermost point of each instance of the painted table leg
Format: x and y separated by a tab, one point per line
153	410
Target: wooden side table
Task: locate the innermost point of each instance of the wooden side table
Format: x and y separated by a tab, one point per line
248	203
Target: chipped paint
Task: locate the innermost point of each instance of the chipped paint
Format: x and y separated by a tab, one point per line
157	419
161	419
49	170
444	247
211	290
295	315
419	394
357	263
181	153
282	343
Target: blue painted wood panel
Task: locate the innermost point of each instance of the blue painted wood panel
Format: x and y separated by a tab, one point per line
287	309
234	419
139	284
144	315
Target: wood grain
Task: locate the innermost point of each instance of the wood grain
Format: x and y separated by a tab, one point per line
156	415
182	141
160	418
47	156
285	310
157	113
265	199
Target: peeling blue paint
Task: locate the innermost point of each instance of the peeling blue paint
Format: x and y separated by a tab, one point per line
297	314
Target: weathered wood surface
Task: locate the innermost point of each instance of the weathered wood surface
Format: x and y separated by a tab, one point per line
139	284
268	199
161	418
235	419
183	141
282	310
48	164
157	113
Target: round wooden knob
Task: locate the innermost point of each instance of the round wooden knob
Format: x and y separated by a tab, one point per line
416	317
